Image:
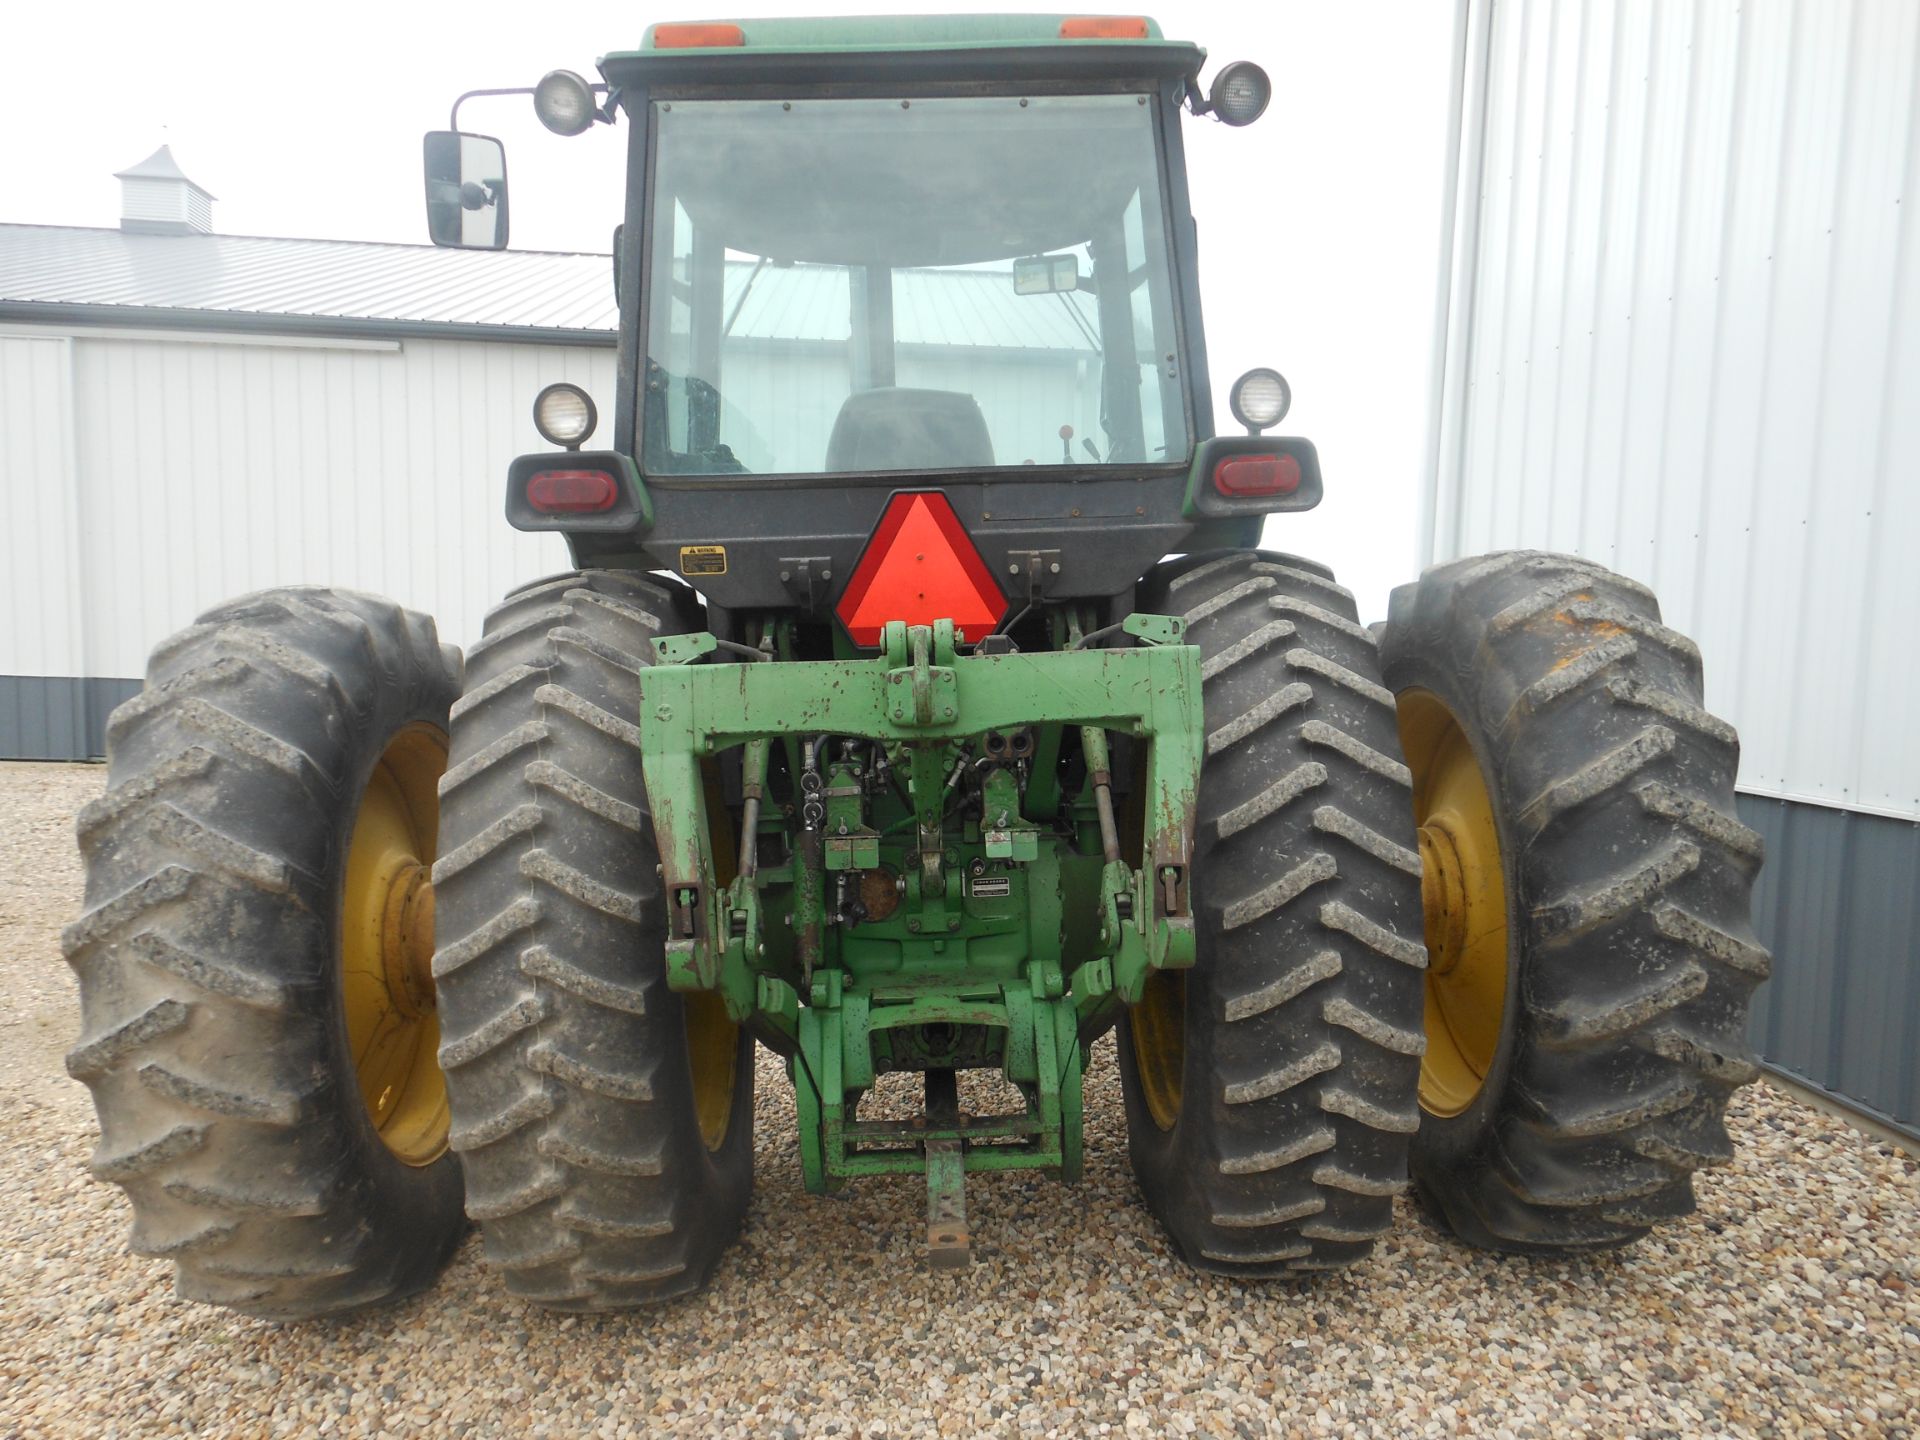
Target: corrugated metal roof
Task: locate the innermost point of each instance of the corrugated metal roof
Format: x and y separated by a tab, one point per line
332	279
930	307
230	275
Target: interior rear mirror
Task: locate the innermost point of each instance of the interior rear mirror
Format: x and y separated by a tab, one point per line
1046	274
466	190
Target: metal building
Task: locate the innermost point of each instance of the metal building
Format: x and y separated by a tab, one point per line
186	416
1682	337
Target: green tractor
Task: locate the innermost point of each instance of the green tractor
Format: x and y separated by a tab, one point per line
921	702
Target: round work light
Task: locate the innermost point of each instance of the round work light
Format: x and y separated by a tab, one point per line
1260	398
1240	93
564	102
564	415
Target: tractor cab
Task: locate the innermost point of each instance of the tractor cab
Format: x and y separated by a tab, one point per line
867	255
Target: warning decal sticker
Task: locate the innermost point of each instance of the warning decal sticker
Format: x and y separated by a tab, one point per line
703	559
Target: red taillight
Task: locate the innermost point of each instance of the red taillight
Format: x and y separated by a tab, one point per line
567	492
1104	27
697	36
920	567
1240	477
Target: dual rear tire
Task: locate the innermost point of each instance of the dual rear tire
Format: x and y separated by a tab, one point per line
1515	968
296	1087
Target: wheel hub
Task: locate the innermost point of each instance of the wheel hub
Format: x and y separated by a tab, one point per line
1443	896
406	941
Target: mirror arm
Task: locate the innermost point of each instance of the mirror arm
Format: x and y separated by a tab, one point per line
604	114
453	121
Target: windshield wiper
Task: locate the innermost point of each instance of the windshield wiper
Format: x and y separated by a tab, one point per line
1079	320
745	290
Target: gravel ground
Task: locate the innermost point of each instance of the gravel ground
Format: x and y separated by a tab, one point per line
1790	1306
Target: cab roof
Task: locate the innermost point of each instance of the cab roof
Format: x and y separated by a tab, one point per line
898	32
912	46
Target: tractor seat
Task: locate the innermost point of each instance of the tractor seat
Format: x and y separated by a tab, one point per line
901	429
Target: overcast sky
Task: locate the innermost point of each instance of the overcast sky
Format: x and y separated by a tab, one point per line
1319	225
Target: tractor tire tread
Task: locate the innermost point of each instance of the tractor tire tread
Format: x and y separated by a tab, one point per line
1289	1148
1635	877
585	1169
228	1106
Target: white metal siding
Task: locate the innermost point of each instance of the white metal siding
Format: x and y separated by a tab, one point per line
148	477
1692	350
1024	403
159	201
200	471
40	632
199	211
778	404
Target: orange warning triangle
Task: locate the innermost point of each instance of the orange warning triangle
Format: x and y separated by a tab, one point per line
919	567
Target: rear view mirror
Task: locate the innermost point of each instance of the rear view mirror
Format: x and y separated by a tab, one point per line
466	190
1046	274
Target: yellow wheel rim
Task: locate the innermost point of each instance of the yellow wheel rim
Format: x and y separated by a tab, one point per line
386	947
713	1040
1158	1025
1464	893
713	1043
